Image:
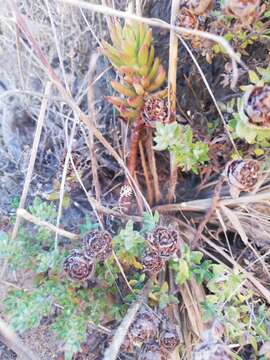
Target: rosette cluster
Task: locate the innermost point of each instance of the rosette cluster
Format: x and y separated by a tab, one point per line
80	264
254	116
162	243
242	175
157	337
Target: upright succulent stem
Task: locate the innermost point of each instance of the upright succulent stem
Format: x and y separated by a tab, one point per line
172	92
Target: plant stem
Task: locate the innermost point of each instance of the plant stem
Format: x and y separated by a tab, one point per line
150	193
173	58
134	145
152	164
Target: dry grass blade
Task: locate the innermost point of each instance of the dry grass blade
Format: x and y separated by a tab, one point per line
30	168
212	95
14	342
209	212
33	156
35	220
172	77
153	166
92	119
204	204
162	24
192	295
190	231
150	192
69	100
240	230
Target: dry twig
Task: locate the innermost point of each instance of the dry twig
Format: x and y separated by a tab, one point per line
209	213
172	76
119	336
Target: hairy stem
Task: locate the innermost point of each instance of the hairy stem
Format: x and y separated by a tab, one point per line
152	164
134	146
150	193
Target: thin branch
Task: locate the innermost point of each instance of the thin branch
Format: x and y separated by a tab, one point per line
35	220
172	76
33	156
209	213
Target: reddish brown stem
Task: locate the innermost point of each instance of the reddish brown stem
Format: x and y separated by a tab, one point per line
134	146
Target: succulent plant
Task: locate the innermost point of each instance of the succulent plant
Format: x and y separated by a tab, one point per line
164	241
133	56
77	267
245	10
152	263
242	175
152	351
211	351
144	327
97	244
168	338
254	115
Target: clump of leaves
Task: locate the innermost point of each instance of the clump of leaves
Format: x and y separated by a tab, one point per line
161	296
68	305
129	245
178	139
190	265
233	305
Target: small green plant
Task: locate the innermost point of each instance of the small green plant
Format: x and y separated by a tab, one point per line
233	305
129	245
190	265
178	140
161	295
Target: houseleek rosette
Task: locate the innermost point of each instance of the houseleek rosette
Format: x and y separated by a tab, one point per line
253	121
